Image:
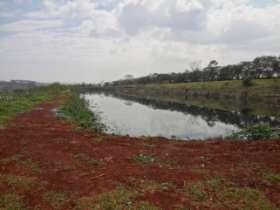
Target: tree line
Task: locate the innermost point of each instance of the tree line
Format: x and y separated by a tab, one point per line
263	67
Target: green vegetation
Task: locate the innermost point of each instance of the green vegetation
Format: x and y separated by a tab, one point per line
19	101
247	81
11	159
56	199
19	159
271	177
18	181
260	85
144	159
118	199
11	201
218	193
76	109
256	69
154	186
256	132
115	200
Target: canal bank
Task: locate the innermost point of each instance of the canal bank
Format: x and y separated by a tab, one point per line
262	98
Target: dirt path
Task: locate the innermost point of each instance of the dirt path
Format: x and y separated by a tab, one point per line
46	164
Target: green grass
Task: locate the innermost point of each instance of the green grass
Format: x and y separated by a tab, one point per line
19	101
56	199
34	166
218	193
154	186
118	199
256	132
271	177
260	85
11	201
18	182
76	109
144	159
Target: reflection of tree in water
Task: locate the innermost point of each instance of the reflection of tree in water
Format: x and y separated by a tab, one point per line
211	116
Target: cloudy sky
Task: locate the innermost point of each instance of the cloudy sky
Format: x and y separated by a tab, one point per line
96	40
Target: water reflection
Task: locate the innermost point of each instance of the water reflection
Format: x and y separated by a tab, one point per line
135	116
135	119
240	118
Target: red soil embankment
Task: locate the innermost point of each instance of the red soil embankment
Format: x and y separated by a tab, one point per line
59	158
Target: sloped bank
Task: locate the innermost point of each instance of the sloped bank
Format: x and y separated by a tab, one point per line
263	97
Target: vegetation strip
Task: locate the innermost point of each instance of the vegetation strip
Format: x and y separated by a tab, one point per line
256	132
19	101
76	109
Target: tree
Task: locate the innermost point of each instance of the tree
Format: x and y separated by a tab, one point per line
247	81
128	77
213	64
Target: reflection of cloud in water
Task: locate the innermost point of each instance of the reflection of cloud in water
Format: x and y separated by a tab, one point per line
126	118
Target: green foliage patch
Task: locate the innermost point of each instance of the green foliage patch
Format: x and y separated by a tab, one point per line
76	109
56	199
19	101
118	199
271	177
20	182
144	159
220	194
247	81
256	132
11	201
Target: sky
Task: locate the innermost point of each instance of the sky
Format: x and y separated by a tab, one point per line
103	40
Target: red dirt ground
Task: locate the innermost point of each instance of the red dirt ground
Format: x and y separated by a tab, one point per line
38	144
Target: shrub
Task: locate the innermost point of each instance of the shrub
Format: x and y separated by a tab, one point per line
247	82
256	132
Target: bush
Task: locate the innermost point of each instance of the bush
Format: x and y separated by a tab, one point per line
256	132
247	82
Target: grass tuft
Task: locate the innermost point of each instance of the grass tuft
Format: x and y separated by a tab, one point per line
56	199
271	177
144	159
11	201
256	132
118	199
20	182
217	193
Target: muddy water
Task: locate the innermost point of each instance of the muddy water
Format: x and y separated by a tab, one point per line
128	117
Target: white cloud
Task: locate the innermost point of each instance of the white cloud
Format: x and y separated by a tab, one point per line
30	25
103	39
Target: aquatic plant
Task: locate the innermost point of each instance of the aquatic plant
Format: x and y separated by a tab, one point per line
256	132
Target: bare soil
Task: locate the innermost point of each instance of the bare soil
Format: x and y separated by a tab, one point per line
49	156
